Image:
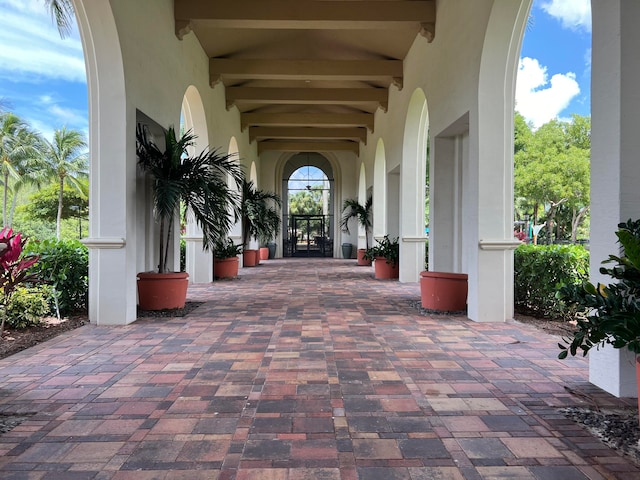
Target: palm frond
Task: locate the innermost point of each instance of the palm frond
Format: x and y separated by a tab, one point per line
62	14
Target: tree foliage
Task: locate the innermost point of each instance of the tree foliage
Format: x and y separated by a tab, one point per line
20	150
65	160
306	202
552	171
43	204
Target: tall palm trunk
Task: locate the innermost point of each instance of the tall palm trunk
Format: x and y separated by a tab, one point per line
14	201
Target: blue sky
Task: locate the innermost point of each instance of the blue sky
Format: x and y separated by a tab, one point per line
554	78
42	77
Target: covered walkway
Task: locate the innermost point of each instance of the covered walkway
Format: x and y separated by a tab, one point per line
301	369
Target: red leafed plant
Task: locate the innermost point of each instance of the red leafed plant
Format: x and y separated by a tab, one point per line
14	268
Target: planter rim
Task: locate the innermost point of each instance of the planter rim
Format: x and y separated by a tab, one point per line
226	259
449	275
161	276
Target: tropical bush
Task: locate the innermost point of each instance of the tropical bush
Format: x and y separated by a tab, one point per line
183	255
540	270
608	314
386	248
15	268
226	249
28	306
64	266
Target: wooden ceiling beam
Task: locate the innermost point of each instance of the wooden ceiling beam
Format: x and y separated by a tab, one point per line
308	120
308	147
312	96
357	134
389	71
305	14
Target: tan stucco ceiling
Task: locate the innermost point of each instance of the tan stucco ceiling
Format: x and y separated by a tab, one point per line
306	75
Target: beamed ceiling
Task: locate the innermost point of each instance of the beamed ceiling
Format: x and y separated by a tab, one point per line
306	75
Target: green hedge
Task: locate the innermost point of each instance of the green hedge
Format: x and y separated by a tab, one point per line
27	307
539	272
64	266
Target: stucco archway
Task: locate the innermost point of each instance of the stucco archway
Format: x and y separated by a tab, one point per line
112	259
363	241
199	263
326	166
414	159
380	191
235	233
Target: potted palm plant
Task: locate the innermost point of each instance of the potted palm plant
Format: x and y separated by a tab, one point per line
260	219
200	183
609	314
352	209
386	255
225	259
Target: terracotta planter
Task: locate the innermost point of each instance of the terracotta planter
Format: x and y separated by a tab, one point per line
384	270
264	253
361	260
250	258
444	292
225	267
162	291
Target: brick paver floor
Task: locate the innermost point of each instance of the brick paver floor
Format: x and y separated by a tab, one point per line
300	370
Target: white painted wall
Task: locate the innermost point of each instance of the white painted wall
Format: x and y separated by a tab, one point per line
615	170
480	179
135	62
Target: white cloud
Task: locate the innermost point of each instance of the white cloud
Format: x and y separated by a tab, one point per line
68	116
33	53
539	99
572	14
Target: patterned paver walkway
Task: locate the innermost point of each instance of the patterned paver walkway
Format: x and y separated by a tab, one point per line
301	370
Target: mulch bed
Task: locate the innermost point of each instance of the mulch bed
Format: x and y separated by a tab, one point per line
13	341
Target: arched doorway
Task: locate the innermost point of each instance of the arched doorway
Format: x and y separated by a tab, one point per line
308	203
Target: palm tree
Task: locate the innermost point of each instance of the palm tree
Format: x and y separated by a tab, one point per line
62	14
199	182
352	209
19	146
259	219
65	161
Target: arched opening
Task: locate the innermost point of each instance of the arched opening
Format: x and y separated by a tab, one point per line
380	192
112	260
414	175
308	204
363	195
198	263
235	233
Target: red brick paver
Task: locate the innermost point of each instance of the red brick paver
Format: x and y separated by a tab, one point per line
301	369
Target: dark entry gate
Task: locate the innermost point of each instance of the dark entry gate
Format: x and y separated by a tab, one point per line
308	236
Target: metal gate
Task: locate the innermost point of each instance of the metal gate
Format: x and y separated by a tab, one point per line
308	236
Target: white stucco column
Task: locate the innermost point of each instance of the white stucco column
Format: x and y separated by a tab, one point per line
448	153
199	262
615	169
489	196
112	214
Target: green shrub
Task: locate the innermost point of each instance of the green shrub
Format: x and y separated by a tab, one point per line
64	266
27	307
540	270
183	255
426	254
